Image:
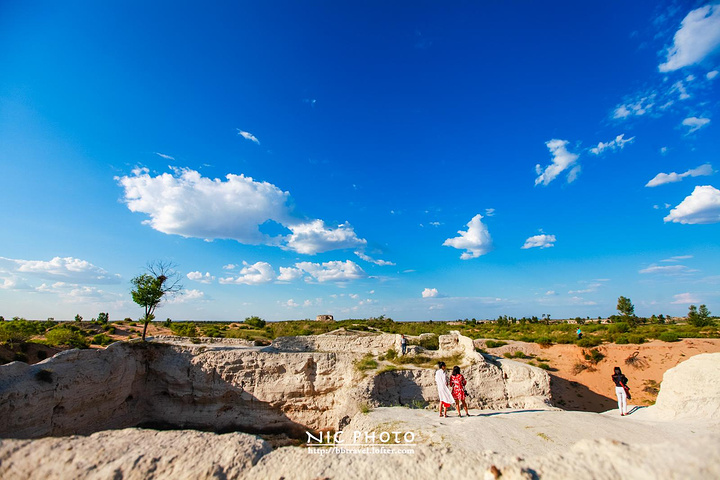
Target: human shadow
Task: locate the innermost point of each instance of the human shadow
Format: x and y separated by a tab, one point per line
575	396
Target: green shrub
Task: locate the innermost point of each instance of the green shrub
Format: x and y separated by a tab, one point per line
254	321
588	342
429	342
544	341
101	339
622	340
66	336
636	339
494	344
668	337
594	356
620	327
391	354
544	366
184	329
366	363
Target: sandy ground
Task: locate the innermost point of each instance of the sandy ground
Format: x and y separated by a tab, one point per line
591	389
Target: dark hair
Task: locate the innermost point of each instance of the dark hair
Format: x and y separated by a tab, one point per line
456	370
441	364
618	371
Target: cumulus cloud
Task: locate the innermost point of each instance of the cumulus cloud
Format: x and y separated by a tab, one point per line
255	274
561	161
199	277
685	299
288	274
229	266
367	258
187	204
315	237
541	241
663	178
187	296
335	271
617	144
430	293
248	136
62	268
702	206
697	38
476	240
694	123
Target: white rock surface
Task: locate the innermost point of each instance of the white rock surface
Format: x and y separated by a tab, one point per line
691	390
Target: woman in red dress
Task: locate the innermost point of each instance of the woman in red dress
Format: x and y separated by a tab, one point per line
457	383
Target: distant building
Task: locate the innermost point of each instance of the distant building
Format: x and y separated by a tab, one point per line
325	318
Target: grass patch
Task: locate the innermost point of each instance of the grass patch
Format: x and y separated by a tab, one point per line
594	356
495	344
367	362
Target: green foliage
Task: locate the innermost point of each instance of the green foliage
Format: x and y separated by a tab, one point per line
635	338
254	321
625	307
20	330
103	317
620	327
594	356
78	318
494	344
167	323
622	340
391	354
151	287
699	318
428	342
101	339
66	336
366	363
544	341
544	366
588	342
668	337
184	329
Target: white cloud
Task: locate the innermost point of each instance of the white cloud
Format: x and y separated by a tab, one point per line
550	292
190	205
187	296
61	268
248	136
700	207
562	160
199	277
314	237
617	144
663	178
639	106
367	258
677	258
489	212
666	270
712	74
335	271
259	272
680	88
697	38
166	157
475	241
291	304
542	241
430	293
229	266
288	274
685	299
695	123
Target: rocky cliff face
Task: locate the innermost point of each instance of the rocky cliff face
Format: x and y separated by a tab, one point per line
295	384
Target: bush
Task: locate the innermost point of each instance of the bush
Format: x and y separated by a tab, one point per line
391	354
101	339
588	342
668	337
620	327
65	336
494	344
366	363
544	366
635	339
184	329
544	341
594	356
256	322
430	342
622	340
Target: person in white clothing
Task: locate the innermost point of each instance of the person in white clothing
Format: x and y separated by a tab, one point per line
621	390
446	398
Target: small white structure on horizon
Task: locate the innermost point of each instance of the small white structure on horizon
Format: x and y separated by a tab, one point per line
324	318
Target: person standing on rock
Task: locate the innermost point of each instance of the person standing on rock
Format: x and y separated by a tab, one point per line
457	382
403	344
621	390
446	399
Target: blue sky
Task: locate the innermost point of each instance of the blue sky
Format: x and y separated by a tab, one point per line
411	159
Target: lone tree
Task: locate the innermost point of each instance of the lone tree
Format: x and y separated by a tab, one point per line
699	318
159	280
625	307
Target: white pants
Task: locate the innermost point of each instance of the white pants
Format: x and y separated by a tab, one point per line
622	399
